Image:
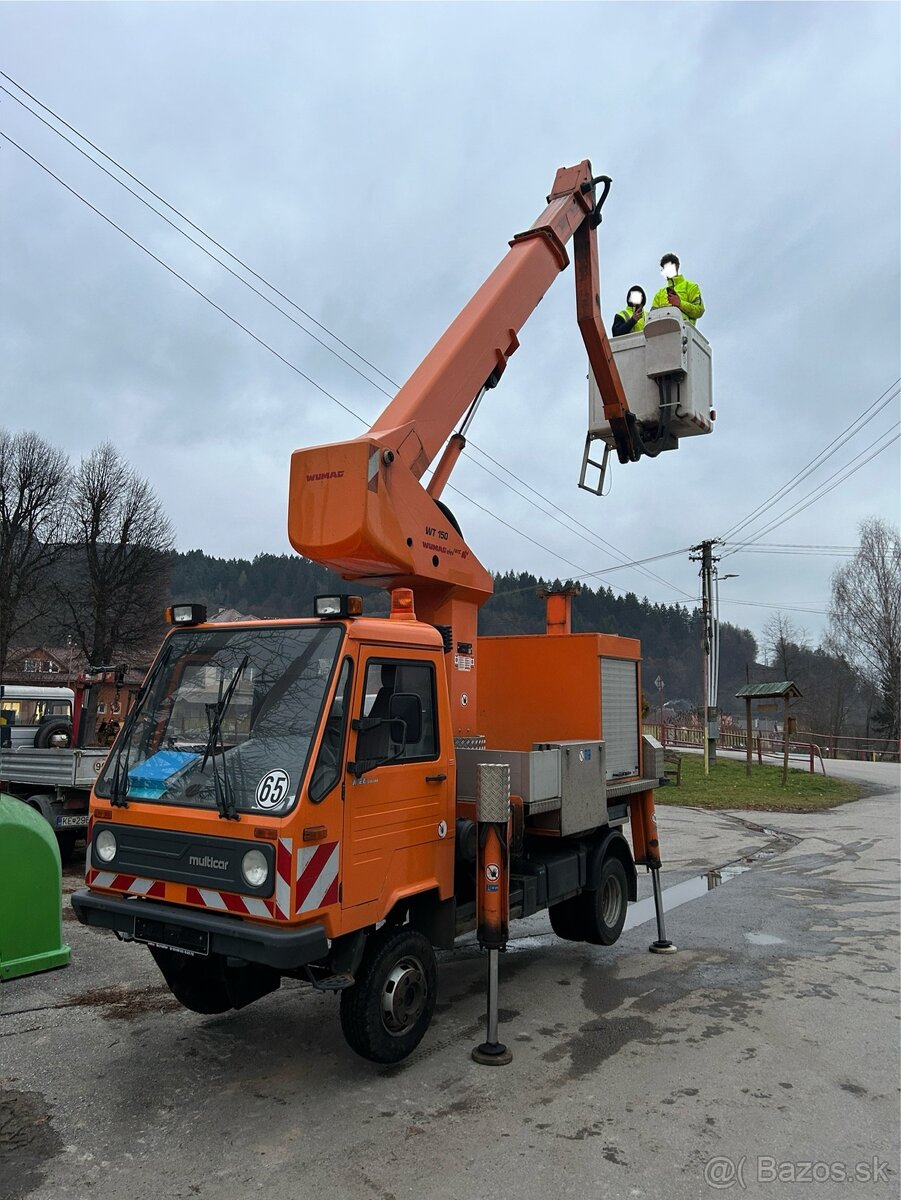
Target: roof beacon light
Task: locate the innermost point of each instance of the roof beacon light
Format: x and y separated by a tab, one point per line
402	605
338	606
186	614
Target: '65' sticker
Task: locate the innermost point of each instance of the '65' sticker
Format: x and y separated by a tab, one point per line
273	788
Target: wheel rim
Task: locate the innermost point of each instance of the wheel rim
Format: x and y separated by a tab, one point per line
611	901
404	996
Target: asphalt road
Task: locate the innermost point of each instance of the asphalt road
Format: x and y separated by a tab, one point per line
762	1059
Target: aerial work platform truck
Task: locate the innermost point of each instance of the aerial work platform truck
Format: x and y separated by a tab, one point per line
336	797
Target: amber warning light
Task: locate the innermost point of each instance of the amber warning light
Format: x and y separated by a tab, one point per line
338	606
186	614
402	605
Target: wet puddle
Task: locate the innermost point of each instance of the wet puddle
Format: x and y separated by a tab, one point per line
680	893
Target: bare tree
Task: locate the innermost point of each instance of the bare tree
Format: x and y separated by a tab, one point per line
783	642
865	612
114	592
33	492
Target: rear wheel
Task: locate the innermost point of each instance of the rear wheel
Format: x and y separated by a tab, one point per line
606	906
568	919
385	1014
596	915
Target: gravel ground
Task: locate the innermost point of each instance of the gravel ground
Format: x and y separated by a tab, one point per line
761	1059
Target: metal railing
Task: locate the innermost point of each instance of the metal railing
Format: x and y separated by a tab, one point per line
813	746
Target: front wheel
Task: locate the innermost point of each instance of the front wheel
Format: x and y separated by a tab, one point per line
385	1014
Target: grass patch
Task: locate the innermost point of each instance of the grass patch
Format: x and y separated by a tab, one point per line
728	786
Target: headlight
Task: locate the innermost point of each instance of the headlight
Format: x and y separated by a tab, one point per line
105	845
254	868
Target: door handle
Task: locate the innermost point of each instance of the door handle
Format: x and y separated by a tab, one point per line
435	778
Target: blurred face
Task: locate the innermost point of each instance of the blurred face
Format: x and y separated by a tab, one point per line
669	270
635	298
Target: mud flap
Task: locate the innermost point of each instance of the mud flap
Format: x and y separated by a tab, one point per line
214	984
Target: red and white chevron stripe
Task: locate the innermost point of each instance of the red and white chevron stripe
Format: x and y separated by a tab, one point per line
134	884
284	852
87	854
245	906
316	883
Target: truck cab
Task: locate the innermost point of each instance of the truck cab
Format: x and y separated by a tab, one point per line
35	716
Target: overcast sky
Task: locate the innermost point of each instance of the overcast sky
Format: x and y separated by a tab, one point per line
372	161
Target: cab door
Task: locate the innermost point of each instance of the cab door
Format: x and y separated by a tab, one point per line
398	818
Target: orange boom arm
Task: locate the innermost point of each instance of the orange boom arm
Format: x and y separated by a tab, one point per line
359	508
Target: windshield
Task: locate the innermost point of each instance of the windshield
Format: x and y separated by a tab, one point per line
227	720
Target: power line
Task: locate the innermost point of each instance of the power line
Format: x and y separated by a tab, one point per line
196	290
796	546
779	607
751	549
828	485
817	461
287	362
860	422
609	570
172	208
195	227
597	537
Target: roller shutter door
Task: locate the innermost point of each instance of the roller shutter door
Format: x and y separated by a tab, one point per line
619	713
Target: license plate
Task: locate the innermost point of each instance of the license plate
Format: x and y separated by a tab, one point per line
171	937
79	821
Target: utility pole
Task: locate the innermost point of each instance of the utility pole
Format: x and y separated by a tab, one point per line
703	553
658	683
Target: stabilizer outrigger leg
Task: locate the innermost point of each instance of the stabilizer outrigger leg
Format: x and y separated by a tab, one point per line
646	848
662	945
493	893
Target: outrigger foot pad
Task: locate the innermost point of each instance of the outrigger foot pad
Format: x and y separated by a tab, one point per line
492	1054
662	948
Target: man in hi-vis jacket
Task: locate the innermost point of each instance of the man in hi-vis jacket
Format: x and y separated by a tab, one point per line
678	292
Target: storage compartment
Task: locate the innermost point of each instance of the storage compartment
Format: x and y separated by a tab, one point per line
562	785
671	347
533	776
583	794
619	704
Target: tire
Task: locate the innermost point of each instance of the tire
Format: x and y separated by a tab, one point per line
605	907
67	842
598	914
210	985
568	919
386	1013
55	728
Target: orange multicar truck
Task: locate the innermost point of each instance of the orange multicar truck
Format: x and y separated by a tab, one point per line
297	798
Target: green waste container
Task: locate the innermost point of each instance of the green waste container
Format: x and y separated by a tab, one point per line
31	886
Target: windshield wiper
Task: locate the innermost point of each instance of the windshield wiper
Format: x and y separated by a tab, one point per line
117	798
215	714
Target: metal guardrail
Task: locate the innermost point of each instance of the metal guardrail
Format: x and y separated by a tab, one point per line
814	746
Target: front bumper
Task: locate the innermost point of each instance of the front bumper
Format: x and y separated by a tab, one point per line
282	948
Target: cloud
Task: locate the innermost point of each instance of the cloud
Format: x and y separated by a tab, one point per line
373	161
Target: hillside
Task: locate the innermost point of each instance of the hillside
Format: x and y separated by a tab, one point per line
284	586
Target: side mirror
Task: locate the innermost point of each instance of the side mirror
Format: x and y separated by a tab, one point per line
405	715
